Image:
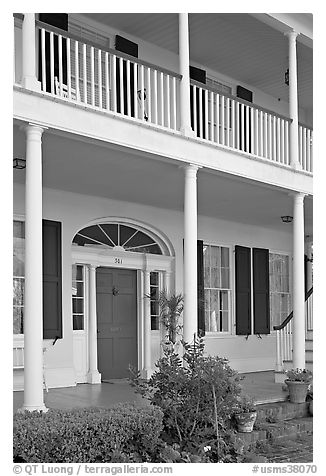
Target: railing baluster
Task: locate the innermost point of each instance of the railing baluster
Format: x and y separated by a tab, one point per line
99	74
206	114
43	59
76	70
200	112
85	72
128	86
92	77
155	93
60	64
194	95
233	123
242	126
142	93
222	120
300	144
270	134
52	62
238	121
174	104
308	149
228	122
278	140
167	92
286	143
149	95
162	98
121	74
274	138
135	90
107	81
247	109
311	152
304	148
211	98
256	121
114	83
68	68
217	113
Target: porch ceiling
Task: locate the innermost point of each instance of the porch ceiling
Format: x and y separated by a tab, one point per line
95	169
235	44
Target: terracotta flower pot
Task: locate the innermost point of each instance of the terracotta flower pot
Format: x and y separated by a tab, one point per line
297	391
245	421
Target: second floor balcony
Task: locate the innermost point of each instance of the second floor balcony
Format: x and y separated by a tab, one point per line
85	73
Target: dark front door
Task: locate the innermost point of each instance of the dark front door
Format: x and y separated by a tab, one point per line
116	322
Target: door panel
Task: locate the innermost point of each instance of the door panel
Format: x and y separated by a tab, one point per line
116	321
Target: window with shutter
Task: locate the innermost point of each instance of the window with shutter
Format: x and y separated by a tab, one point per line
52	280
243	290
260	258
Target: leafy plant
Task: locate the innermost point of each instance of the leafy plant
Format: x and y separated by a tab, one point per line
245	404
299	375
123	433
197	395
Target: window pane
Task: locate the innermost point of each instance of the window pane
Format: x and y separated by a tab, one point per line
18	291
77	306
225	278
225	257
78	322
18	319
154	278
155	323
225	321
224	296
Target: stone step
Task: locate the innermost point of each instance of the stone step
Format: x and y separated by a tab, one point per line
309	344
273	412
264	432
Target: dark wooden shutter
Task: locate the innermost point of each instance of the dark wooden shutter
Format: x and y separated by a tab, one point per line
200	288
261	290
245	94
52	280
243	290
200	76
59	20
130	48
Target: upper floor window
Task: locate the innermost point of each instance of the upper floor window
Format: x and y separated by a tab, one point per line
18	276
279	288
118	237
217	288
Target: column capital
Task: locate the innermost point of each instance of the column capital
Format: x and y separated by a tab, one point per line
291	34
33	127
191	168
297	196
92	267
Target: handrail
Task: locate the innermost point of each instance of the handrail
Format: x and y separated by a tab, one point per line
290	316
240	100
68	34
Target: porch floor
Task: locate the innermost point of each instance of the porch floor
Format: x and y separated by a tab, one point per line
259	385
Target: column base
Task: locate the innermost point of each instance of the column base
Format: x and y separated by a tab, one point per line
147	373
33	408
187	131
296	165
94	377
31	83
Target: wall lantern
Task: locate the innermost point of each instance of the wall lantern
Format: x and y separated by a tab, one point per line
287	219
287	77
19	163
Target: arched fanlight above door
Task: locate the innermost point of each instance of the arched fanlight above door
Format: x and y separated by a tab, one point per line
118	237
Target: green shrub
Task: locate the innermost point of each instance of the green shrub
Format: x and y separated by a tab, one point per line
123	433
197	397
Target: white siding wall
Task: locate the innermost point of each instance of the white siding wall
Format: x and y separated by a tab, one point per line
75	211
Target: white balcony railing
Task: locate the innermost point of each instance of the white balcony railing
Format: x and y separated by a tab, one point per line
82	72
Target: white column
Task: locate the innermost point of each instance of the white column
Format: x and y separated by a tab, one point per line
93	375
185	126
293	100
33	301
298	283
190	254
147	326
29	79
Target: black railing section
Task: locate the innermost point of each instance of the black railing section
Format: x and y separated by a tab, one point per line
290	316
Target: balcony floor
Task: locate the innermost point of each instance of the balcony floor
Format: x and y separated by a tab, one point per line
259	385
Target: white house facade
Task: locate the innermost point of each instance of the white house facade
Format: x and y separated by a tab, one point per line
151	152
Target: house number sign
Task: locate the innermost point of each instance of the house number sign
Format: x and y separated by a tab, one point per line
118	261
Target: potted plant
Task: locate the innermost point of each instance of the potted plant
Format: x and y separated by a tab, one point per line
298	381
245	414
171	307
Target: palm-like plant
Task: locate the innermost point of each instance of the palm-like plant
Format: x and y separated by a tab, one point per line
171	307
